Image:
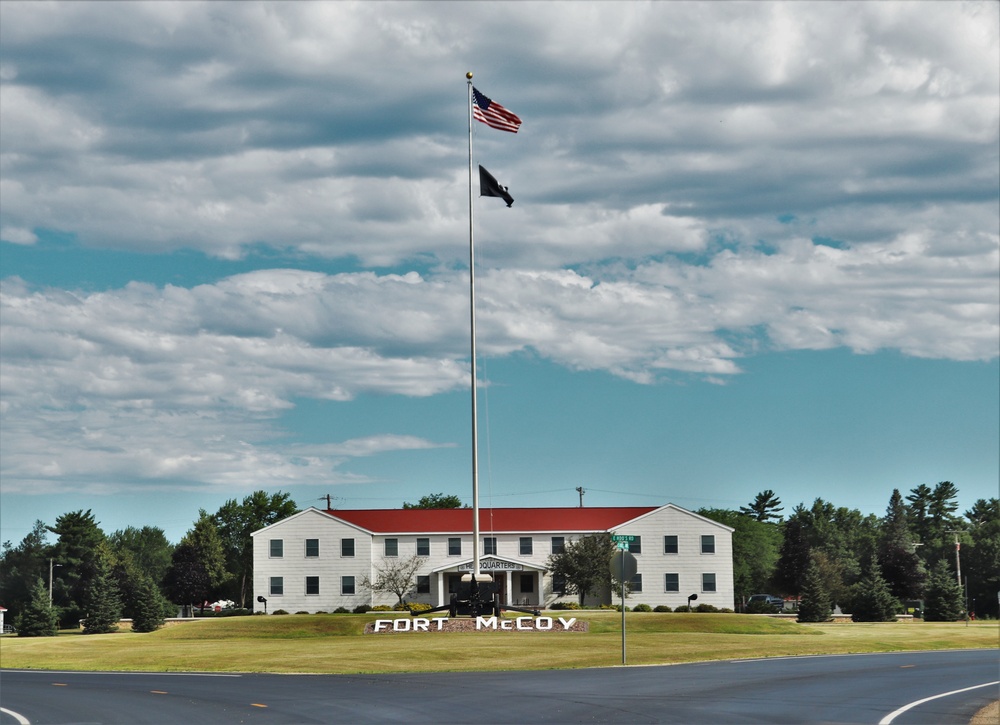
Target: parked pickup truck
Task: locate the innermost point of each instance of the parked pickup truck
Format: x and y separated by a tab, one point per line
774	601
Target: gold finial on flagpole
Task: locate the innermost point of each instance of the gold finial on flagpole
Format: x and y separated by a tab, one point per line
469	75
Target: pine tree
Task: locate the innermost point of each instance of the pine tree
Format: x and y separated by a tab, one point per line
38	619
943	597
815	605
148	612
102	600
873	601
765	506
901	566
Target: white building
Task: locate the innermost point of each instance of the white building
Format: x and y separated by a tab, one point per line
316	560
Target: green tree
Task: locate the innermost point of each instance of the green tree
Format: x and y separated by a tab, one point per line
186	581
80	539
394	576
21	566
204	537
943	597
981	559
815	605
794	554
37	618
584	565
147	615
901	566
147	547
873	602
436	501
765	506
756	545
103	605
235	522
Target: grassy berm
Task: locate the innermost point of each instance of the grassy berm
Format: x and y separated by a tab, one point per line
325	643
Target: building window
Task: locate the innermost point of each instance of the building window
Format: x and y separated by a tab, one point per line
490	545
671	583
277	586
277	548
559	583
708	582
526	546
708	544
635	546
527	583
423	584
347	585
347	547
423	546
454	546
392	547
669	544
312	585
312	547
558	544
635	583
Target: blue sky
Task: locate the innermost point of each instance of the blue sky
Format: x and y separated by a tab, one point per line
753	246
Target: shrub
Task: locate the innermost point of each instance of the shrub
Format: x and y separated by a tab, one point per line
361	609
419	607
683	608
341	610
642	608
302	611
706	608
381	608
725	610
662	608
279	611
565	605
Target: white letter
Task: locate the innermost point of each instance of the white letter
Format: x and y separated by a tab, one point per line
543	623
567	623
379	623
440	621
522	619
506	624
490	623
404	628
421	625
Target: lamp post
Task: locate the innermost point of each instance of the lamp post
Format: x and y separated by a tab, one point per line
51	565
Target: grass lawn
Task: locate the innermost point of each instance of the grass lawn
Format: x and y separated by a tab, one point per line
324	643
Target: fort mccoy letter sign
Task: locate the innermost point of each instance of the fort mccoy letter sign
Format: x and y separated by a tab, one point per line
477	624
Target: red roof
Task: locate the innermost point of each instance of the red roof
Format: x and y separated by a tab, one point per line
491	520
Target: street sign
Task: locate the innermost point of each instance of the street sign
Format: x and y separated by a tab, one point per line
623	545
623	566
622	537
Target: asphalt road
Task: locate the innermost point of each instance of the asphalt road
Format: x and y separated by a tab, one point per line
828	689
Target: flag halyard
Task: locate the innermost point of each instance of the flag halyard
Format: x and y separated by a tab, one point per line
493	114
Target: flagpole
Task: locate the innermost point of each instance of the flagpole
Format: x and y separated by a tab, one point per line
472	319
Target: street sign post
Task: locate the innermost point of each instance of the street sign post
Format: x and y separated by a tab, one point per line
623	567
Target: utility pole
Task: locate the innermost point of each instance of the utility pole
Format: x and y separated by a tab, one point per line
958	559
581	490
50	580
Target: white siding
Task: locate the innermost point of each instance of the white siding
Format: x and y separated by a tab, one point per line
330	566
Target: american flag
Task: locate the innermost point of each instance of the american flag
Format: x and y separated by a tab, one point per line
493	114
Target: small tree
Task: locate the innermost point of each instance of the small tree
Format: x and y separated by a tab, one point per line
815	605
38	619
584	565
148	606
873	601
394	576
943	597
103	605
